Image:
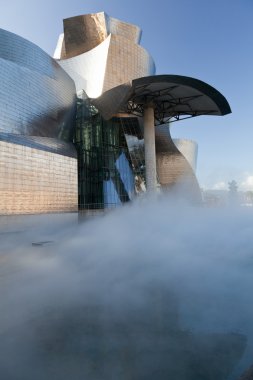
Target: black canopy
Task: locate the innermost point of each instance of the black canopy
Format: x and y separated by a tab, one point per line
174	97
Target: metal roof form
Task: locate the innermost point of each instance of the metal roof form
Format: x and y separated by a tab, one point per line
174	97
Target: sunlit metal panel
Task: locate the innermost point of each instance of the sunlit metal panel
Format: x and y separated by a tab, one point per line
83	33
126	61
124	29
37	97
36	181
172	167
100	52
38	165
189	150
88	69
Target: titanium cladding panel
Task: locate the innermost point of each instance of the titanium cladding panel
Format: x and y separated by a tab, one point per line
189	150
36	181
38	165
88	69
126	61
83	33
37	97
100	52
120	28
172	167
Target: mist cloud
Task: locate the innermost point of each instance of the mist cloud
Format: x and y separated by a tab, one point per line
149	291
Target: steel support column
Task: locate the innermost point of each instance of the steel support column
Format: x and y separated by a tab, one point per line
149	144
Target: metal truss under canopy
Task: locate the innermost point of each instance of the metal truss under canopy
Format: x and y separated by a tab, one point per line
173	98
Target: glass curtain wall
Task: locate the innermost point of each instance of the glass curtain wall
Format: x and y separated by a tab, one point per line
135	143
105	169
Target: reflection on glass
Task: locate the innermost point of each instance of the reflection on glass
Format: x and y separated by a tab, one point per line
135	143
105	167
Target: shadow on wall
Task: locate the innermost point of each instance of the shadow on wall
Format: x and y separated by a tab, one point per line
154	290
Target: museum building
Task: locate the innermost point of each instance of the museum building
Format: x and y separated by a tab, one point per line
90	127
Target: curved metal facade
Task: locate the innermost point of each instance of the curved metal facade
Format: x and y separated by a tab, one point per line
126	61
83	33
189	150
172	167
100	52
120	28
88	69
38	165
37	97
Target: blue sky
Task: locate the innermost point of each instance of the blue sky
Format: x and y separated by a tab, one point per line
207	39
